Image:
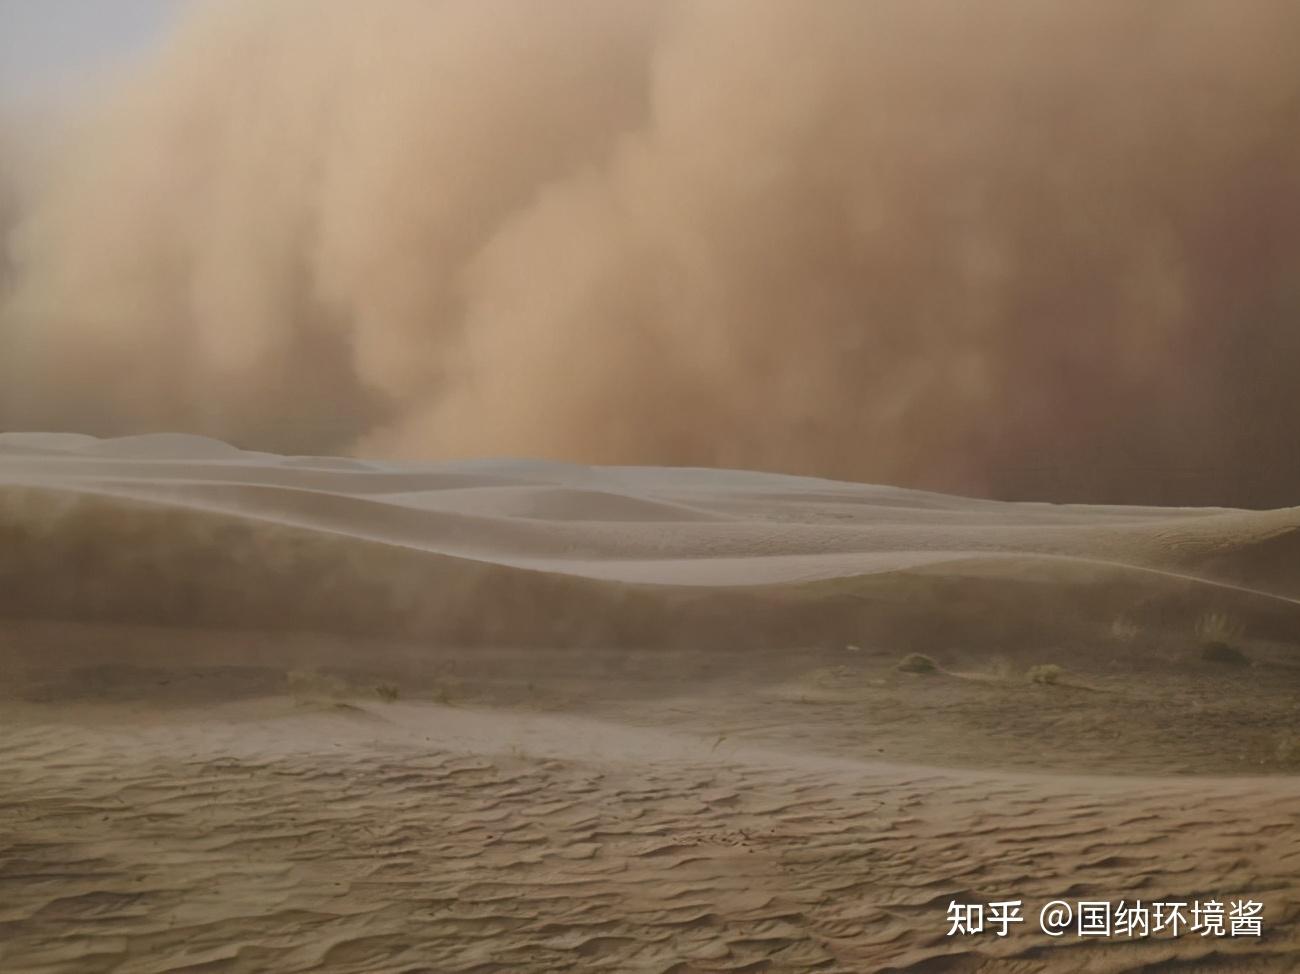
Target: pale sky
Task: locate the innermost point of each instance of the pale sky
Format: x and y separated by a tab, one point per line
46	45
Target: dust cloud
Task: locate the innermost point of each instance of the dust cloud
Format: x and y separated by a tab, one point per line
1009	248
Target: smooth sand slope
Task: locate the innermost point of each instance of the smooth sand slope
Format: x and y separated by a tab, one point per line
298	714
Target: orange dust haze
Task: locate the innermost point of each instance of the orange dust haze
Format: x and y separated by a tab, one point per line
1013	248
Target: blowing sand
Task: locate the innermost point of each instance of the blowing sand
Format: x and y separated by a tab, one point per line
270	714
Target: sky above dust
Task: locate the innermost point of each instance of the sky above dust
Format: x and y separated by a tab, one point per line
1016	249
50	44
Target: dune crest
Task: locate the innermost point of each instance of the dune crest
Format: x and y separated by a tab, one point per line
155	530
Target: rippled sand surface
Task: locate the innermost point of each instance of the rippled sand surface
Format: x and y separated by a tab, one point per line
268	714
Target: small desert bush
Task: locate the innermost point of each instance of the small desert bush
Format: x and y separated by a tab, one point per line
917	663
387	692
1218	627
1047	673
1217	651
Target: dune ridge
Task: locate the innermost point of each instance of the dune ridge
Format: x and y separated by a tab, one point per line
152	530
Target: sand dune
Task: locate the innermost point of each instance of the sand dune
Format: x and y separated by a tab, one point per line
315	714
142	515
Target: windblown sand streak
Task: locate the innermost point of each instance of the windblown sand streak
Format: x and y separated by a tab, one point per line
552	554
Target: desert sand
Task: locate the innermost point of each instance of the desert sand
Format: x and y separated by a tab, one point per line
269	714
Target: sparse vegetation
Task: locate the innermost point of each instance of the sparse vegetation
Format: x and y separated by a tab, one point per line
1046	673
1218	627
1219	634
917	663
1217	651
387	692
